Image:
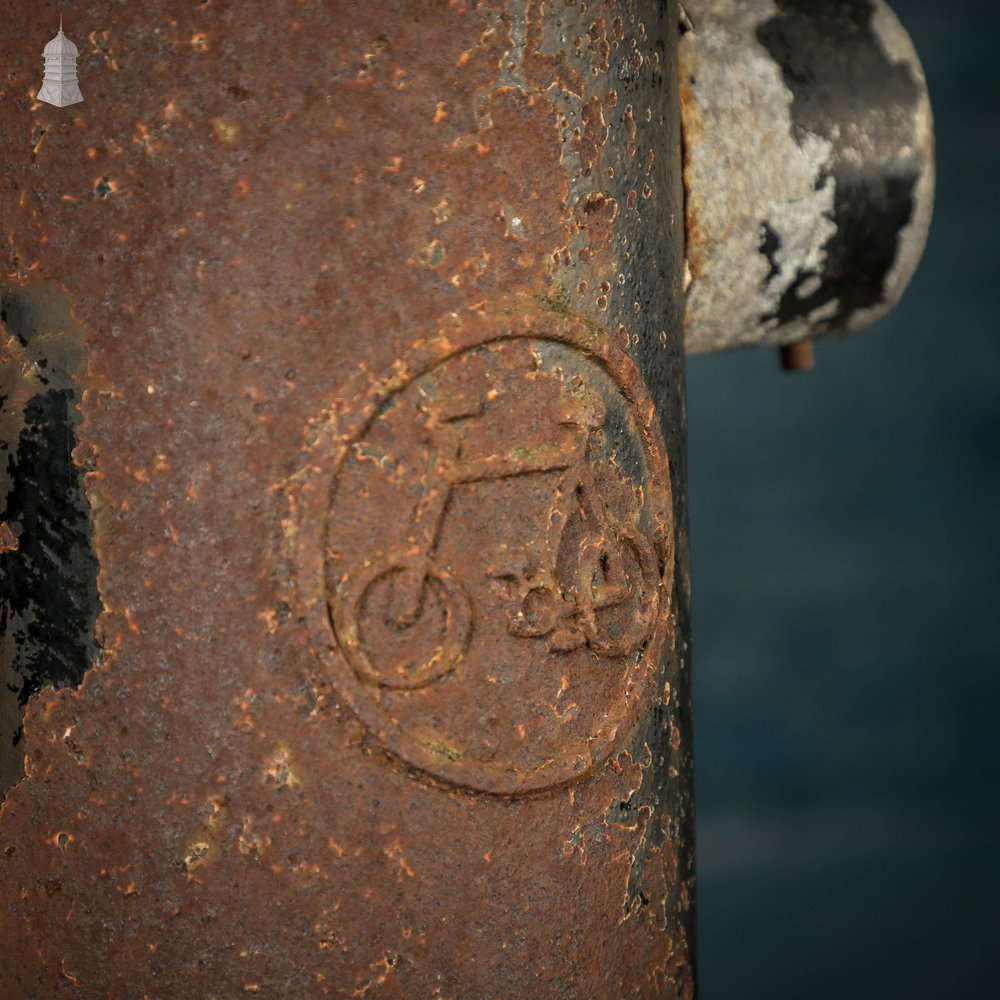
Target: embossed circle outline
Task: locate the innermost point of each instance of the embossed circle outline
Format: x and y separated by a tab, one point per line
331	443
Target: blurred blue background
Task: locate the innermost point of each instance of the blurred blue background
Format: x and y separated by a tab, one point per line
846	559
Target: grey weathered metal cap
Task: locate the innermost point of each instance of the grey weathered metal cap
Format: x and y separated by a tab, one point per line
809	168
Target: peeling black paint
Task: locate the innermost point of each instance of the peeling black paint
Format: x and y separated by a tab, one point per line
50	580
769	245
842	82
643	808
48	584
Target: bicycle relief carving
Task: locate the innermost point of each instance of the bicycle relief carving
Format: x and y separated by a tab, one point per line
610	565
496	561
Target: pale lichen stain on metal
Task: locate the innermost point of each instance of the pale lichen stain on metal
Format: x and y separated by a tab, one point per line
227	132
279	771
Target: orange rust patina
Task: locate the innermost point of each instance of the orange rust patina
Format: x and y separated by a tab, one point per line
379	423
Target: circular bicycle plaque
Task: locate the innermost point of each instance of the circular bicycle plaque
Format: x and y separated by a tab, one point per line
484	546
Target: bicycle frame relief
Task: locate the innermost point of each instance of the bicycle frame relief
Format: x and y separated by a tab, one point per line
599	554
381	432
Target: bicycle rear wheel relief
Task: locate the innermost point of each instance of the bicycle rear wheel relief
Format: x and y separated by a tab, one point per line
497	536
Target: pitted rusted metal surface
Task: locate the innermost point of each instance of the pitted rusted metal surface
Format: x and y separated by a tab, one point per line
507	653
381	430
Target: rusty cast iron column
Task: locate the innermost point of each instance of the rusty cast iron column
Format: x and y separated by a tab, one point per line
344	557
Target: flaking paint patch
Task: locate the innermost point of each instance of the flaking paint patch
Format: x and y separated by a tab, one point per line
727	86
849	98
820	228
48	585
